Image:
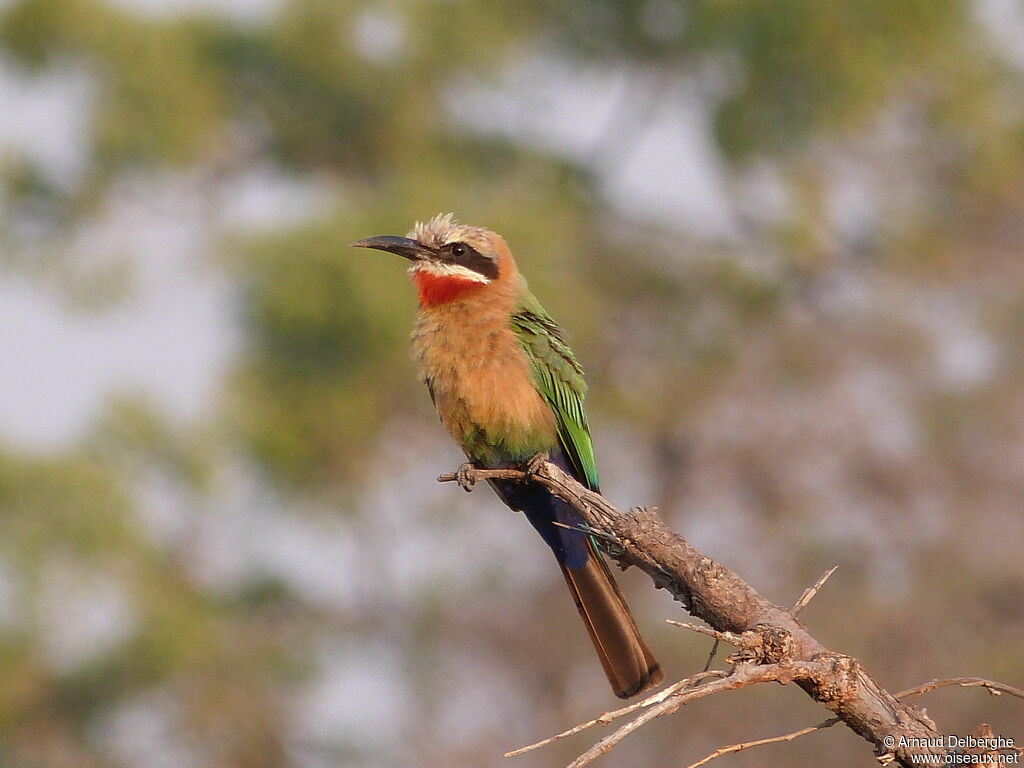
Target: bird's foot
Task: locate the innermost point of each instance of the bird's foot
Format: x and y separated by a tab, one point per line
533	465
465	478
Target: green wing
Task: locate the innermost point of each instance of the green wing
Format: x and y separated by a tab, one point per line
559	379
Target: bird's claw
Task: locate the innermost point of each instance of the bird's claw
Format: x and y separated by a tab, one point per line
464	477
534	464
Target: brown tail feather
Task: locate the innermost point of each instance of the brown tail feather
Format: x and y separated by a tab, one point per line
627	661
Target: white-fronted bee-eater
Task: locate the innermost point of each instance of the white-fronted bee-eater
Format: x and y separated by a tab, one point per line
507	388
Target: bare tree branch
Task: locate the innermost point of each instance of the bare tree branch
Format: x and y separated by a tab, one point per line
711	655
761	742
607	717
725	637
809	593
996	689
774	645
741	676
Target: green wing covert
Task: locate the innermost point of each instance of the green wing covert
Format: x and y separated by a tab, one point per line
559	379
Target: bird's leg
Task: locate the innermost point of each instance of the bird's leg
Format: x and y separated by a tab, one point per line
464	477
533	465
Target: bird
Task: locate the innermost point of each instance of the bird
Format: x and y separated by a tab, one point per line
509	391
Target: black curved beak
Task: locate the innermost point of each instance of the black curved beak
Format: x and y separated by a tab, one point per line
403	246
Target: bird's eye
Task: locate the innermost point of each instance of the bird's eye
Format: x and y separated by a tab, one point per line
458	249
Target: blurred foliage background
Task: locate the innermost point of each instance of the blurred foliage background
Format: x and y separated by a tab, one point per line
784	237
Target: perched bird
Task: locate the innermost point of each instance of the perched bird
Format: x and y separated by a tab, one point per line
508	388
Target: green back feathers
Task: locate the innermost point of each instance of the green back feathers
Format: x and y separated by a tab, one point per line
559	380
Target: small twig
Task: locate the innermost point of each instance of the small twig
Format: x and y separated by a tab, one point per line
606	717
740	677
809	594
666	707
608	742
588	531
711	656
993	687
759	742
516	475
726	637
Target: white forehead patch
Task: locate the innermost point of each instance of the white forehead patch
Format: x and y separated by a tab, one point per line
444	229
435	232
440	269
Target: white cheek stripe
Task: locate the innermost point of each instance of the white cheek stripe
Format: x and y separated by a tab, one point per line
439	269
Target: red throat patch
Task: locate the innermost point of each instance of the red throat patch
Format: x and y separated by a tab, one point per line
437	289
